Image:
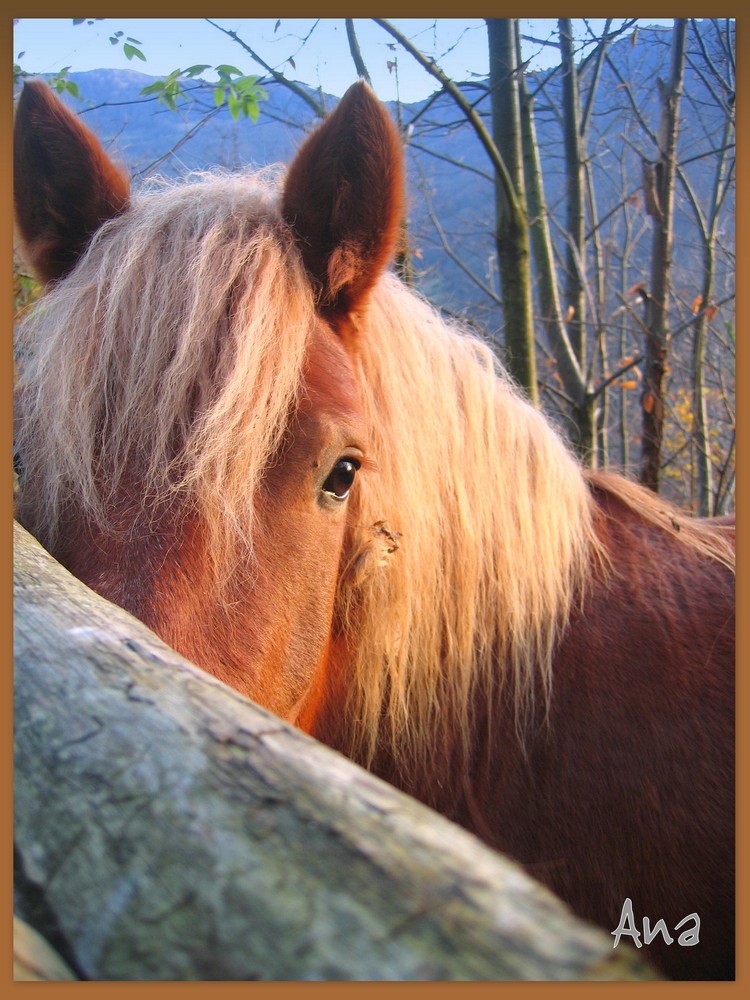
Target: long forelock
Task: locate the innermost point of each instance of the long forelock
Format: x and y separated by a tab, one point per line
474	542
176	348
484	522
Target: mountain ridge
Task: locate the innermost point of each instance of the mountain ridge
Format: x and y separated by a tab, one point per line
141	133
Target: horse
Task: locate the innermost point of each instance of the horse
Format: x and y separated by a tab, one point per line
237	423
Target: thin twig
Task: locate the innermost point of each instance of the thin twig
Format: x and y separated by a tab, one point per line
359	63
450	88
278	77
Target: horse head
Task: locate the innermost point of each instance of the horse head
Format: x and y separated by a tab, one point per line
248	592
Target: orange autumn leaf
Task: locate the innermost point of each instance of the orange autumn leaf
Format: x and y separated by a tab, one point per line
711	312
570	314
648	402
629	384
697	303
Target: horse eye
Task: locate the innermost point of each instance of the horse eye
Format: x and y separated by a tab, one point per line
341	478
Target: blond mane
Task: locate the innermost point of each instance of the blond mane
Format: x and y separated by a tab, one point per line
497	533
177	347
173	352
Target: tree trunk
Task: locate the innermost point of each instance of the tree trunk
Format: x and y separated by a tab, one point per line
512	229
168	829
569	371
706	503
566	337
701	440
575	252
659	198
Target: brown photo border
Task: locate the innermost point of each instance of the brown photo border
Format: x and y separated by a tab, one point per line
398	991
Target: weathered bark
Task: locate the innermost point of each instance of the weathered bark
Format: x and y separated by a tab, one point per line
167	828
659	198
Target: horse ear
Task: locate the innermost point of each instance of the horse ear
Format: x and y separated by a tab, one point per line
65	186
344	198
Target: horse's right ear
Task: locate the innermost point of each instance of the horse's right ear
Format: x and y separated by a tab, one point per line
65	186
344	199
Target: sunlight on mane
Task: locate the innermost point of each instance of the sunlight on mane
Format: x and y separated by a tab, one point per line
497	529
175	352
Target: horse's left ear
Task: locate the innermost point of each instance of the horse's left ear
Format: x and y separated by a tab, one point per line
344	198
65	185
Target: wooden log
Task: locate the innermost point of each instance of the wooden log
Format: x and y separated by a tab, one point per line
168	829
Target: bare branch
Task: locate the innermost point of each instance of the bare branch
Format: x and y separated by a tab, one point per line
295	88
449	159
599	57
355	50
181	142
457	260
450	88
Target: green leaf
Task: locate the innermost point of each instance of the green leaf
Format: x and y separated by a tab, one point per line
196	70
219	96
72	88
246	84
59	81
226	70
134	40
131	51
153	88
234	105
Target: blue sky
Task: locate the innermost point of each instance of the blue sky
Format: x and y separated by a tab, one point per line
460	46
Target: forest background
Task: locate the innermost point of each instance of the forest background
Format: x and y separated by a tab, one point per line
571	194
